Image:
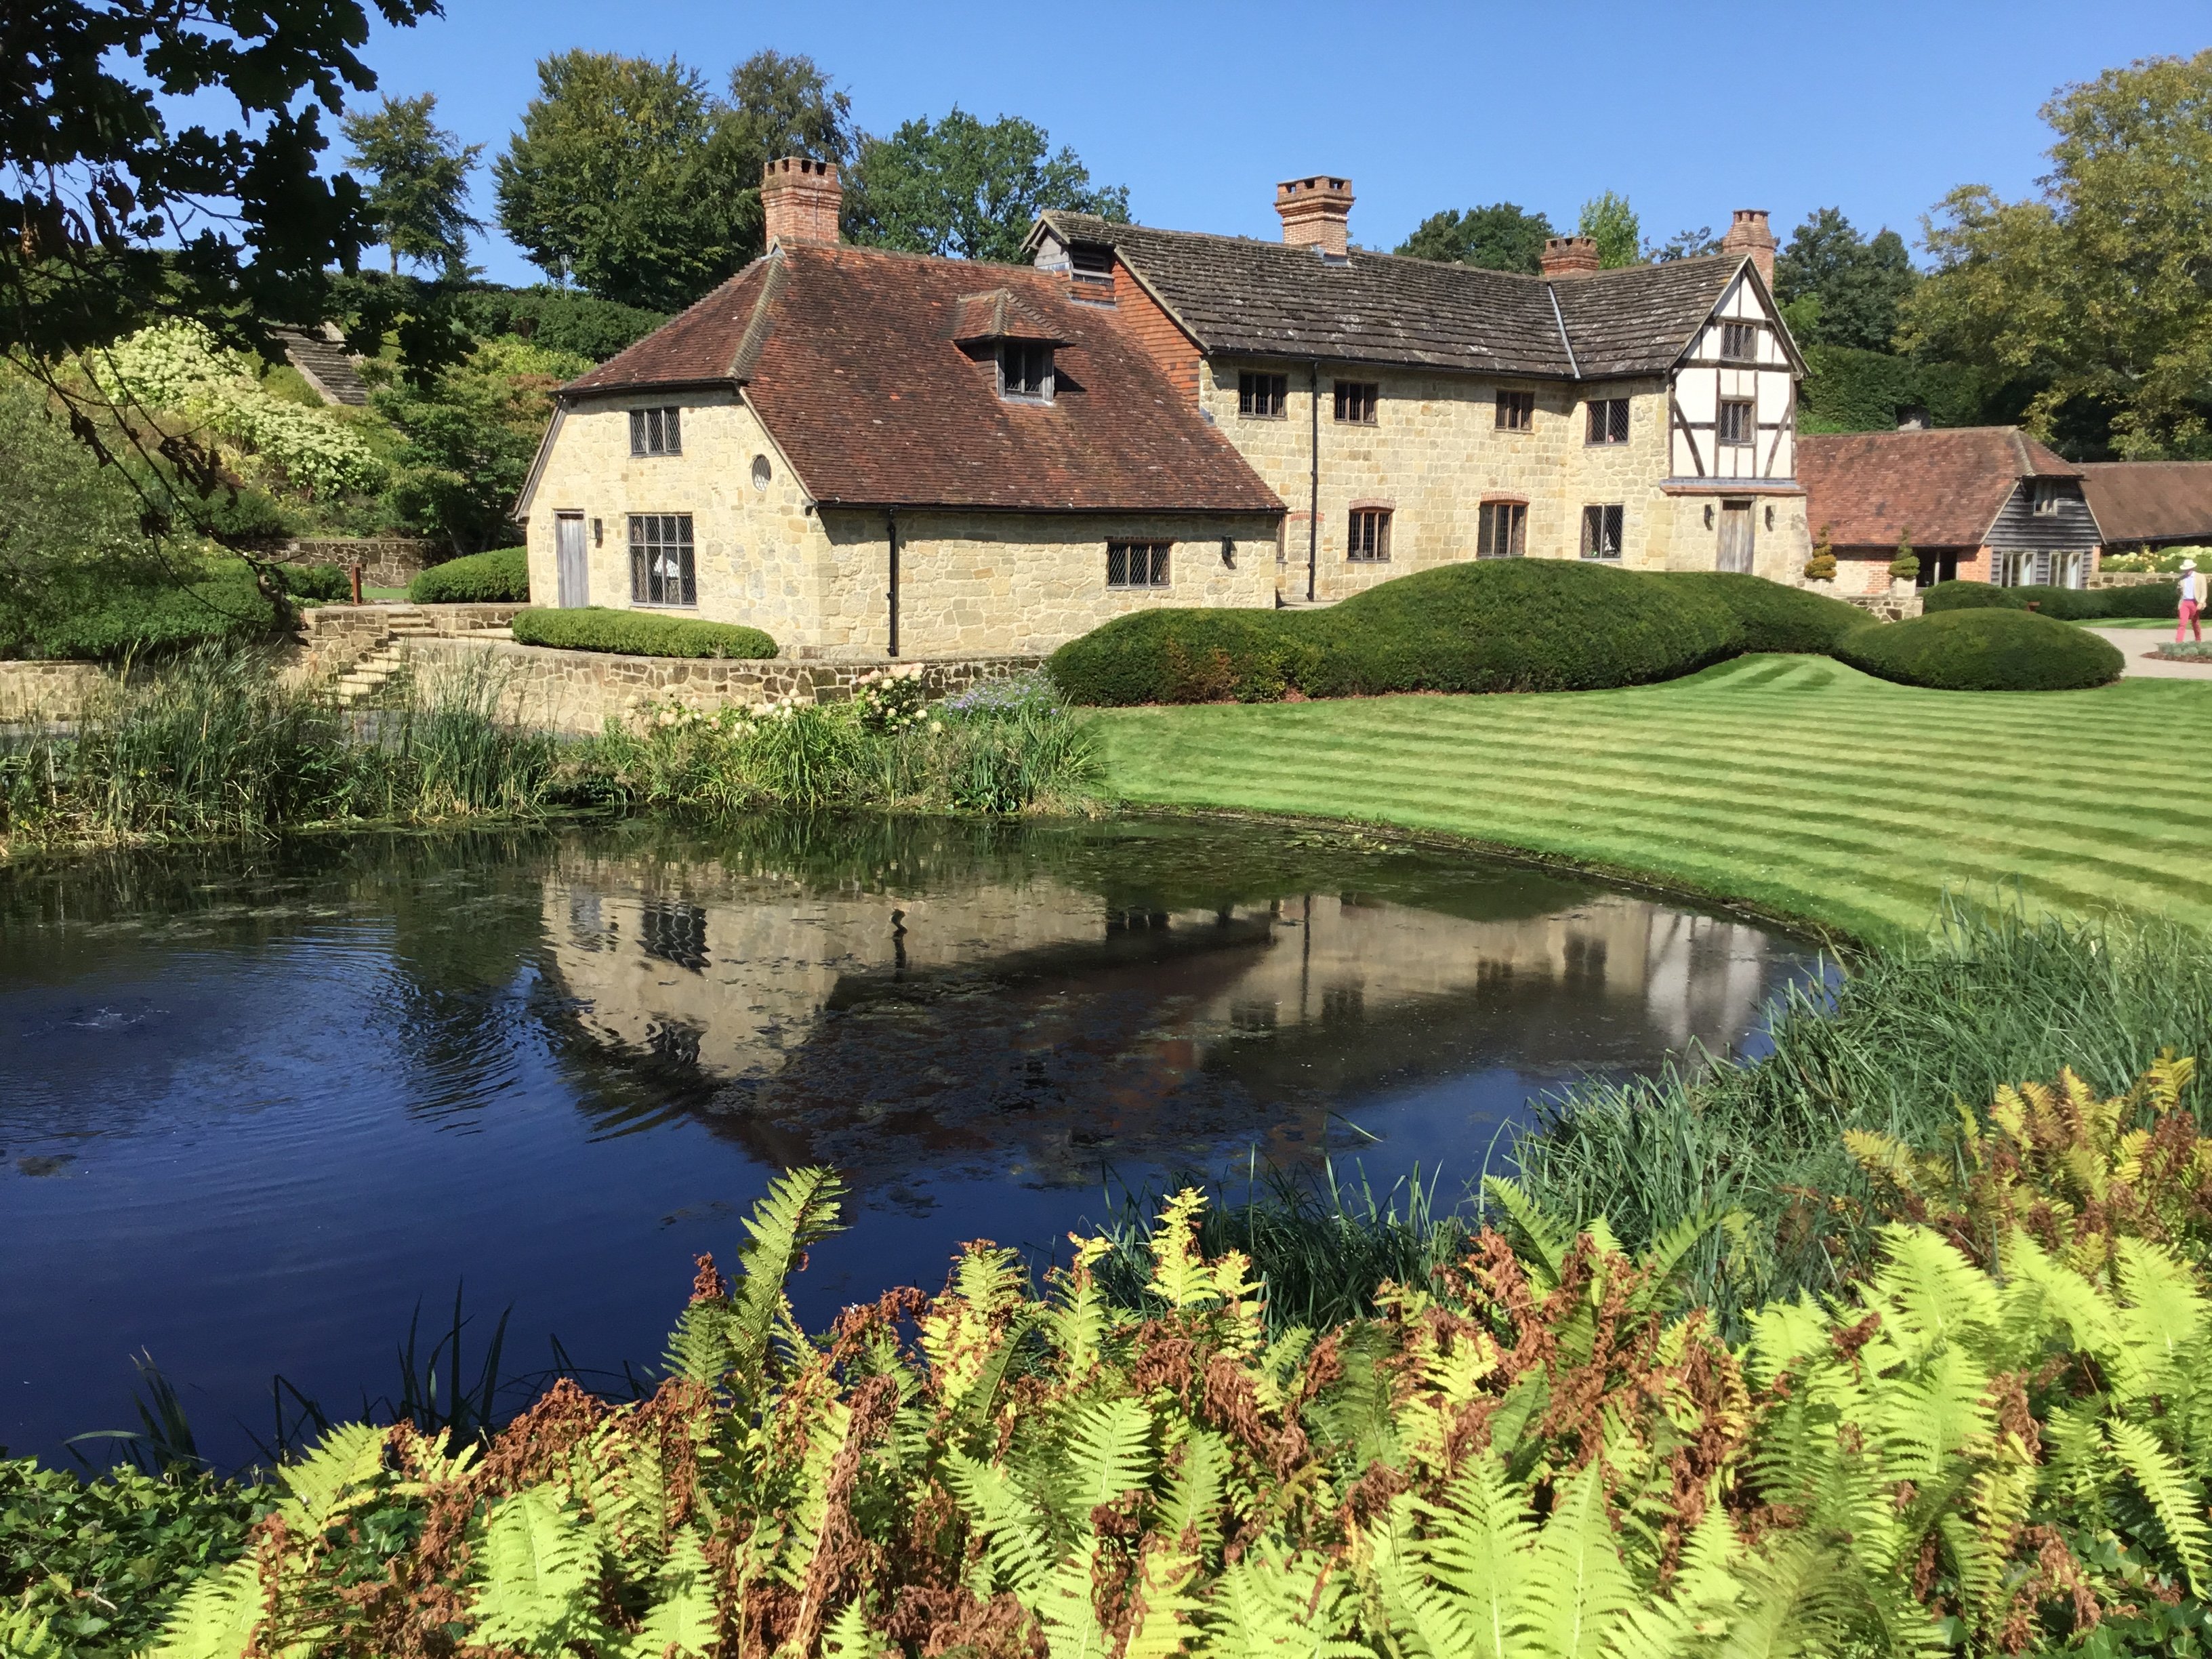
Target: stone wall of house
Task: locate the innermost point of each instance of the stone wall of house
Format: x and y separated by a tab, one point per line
971	583
386	561
579	692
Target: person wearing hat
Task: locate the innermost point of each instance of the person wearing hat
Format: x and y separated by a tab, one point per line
2192	599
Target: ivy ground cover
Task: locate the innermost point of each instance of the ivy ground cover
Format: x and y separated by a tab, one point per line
1795	784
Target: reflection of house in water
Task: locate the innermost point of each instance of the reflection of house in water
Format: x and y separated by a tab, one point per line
1029	1029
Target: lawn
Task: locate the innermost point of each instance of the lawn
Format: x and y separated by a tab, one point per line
1793	784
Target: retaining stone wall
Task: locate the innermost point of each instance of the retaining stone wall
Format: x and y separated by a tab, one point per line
50	690
579	692
332	638
1901	602
2131	578
386	561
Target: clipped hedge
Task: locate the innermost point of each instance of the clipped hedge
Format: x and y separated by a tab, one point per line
500	576
96	620
639	634
1992	649
2067	604
316	581
1501	625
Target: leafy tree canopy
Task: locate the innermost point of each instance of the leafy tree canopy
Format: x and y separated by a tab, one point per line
632	178
968	188
1608	221
1500	237
1685	245
419	196
2098	289
1842	288
612	183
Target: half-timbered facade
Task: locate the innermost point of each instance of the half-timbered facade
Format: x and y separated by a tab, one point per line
1410	413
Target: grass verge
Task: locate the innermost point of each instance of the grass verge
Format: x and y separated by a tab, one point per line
1793	785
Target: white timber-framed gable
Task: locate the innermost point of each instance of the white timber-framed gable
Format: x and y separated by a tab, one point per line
1732	395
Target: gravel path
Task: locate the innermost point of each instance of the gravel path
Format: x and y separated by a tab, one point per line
2135	644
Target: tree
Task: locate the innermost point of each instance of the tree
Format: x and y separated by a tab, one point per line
616	180
419	199
1608	221
778	106
968	189
2096	290
112	219
1500	237
1854	286
1685	245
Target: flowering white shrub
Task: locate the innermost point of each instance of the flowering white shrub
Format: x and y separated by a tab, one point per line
180	367
890	699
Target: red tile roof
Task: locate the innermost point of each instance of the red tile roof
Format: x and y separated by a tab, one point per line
2150	501
849	357
1945	486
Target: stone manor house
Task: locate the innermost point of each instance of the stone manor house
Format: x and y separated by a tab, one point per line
869	453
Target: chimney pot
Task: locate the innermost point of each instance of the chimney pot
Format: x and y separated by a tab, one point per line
802	200
1316	213
1569	256
1748	233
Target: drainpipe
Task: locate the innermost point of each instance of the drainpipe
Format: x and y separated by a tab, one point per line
1313	482
890	522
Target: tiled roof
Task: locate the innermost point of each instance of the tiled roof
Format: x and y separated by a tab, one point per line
999	315
848	354
1945	486
1237	295
2150	501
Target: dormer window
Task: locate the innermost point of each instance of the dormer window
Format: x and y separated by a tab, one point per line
1092	262
1025	370
2045	497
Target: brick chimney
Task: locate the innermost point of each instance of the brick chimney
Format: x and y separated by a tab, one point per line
800	200
1569	256
1749	234
1316	213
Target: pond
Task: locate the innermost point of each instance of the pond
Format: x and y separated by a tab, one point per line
258	1104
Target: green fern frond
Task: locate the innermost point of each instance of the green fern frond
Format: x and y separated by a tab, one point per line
1575	1585
801	1208
1533	1232
2164	1316
848	1635
681	1624
217	1618
1194	1500
1276	1603
1064	1606
1164	1604
1933	1292
1179	1277
1013	1531
2174	1497
1667	1252
1927	1414
1478	1553
539	1569
1109	1453
329	1481
1075	1320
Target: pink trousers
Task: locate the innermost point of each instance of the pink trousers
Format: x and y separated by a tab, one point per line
2188	623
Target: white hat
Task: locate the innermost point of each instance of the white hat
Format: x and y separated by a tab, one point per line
2189	564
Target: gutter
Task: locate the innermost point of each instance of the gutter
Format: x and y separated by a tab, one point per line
1313	499
891	594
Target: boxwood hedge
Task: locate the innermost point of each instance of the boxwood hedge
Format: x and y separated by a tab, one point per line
1984	649
497	577
2067	604
638	633
1507	625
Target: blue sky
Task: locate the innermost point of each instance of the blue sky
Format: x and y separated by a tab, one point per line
1690	109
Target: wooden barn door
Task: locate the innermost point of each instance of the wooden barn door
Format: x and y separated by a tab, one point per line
1735	537
574	570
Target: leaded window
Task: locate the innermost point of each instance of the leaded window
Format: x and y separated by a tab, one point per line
1137	564
663	569
1262	396
1739	422
1608	421
1517	411
1739	341
656	431
1369	535
1502	530
1025	369
1602	527
1355	402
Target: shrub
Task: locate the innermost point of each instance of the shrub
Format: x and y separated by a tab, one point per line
316	581
1189	656
2067	604
1769	616
91	617
638	632
579	323
493	578
1985	650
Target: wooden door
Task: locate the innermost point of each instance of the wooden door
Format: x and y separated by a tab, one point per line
1735	537
573	569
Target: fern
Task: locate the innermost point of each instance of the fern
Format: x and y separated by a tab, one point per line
1545	1237
1180	1275
1575	1586
1019	1553
847	1636
801	1208
681	1623
1275	1603
217	1618
2174	1497
540	1563
1477	1554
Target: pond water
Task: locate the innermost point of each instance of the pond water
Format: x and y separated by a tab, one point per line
256	1104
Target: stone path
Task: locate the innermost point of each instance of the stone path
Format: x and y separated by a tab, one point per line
2137	644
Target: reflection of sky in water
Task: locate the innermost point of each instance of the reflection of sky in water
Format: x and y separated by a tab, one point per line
258	1104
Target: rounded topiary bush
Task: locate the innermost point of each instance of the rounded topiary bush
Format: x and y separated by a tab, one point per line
1983	650
500	576
1189	656
1517	625
638	633
1770	616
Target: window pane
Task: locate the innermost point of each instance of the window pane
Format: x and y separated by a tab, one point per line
1117	566
1620	432
672	436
